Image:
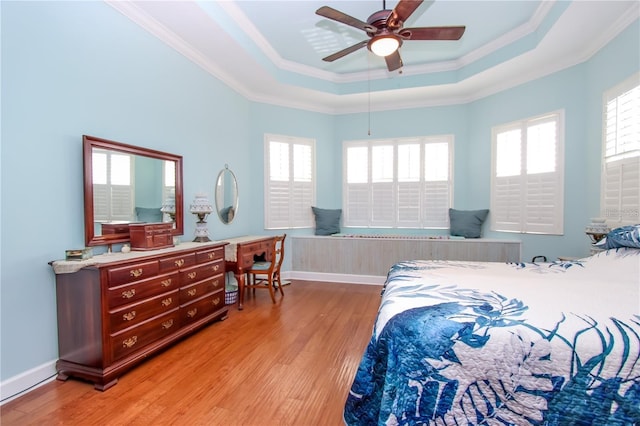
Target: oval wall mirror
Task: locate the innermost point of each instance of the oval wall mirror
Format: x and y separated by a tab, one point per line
226	195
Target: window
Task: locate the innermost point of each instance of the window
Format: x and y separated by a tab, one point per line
399	183
527	192
112	186
290	188
620	193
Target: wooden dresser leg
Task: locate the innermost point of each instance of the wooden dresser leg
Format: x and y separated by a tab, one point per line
105	386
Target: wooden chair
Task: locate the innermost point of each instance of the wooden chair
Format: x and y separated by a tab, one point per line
266	274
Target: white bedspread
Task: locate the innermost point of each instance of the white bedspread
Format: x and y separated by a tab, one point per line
478	343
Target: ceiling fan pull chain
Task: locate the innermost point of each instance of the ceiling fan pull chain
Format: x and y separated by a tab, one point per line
369	93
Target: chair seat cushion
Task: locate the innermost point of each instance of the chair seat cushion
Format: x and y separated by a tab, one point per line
261	266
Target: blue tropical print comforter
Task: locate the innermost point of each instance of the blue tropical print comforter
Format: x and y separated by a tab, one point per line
471	343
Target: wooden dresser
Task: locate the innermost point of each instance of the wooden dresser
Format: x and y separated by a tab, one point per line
116	310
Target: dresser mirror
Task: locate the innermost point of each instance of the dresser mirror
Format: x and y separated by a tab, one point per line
226	195
126	184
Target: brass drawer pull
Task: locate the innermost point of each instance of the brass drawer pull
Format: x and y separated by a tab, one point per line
128	294
215	268
167	324
166	302
136	272
179	262
211	256
130	342
215	283
192	275
129	316
192	313
215	301
192	292
166	283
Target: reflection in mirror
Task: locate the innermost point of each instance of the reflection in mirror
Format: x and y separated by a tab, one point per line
226	195
127	184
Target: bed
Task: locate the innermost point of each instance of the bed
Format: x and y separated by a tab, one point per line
481	343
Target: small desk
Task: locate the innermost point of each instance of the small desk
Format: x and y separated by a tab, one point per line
238	256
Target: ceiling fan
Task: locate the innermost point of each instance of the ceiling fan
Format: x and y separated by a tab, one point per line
386	32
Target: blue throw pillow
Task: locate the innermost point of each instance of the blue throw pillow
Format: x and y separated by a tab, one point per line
467	223
625	236
327	221
148	214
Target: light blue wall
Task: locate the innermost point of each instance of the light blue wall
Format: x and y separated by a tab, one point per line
304	124
73	68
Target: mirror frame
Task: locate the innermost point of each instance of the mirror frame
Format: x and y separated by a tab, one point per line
90	142
220	204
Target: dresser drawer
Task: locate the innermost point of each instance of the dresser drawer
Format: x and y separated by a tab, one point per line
140	290
199	289
208	255
176	262
197	273
132	272
136	313
201	308
257	249
133	339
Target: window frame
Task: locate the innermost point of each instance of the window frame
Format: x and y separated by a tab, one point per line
105	190
360	211
519	218
622	169
297	209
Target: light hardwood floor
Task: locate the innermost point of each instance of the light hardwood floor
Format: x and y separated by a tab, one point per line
291	363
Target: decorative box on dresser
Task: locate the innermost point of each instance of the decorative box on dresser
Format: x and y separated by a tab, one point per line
115	310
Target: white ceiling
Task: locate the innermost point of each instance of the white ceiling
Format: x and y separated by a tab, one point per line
271	51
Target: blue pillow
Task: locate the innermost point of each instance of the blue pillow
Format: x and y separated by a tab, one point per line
625	236
148	214
467	223
327	221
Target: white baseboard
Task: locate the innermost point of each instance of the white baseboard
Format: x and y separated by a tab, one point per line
16	386
334	278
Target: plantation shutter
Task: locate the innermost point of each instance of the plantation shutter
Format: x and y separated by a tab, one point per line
383	200
621	192
528	177
621	164
506	208
438	185
289	182
113	187
398	183
356	189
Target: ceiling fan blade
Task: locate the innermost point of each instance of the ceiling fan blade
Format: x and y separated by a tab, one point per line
401	12
336	15
345	52
432	33
394	61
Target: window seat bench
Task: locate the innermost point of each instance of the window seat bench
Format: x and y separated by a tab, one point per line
373	255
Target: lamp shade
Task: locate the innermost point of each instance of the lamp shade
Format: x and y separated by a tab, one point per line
384	45
201	204
169	206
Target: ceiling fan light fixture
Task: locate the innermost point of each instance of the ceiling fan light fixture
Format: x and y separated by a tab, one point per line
384	45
